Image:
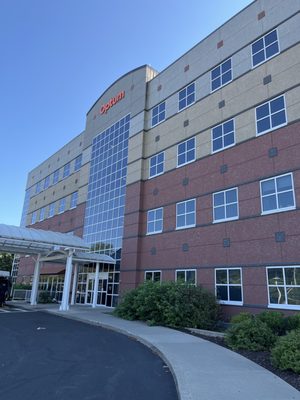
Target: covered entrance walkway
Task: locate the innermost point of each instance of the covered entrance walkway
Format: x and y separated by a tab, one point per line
54	247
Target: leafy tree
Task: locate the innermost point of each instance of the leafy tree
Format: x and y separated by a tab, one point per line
6	260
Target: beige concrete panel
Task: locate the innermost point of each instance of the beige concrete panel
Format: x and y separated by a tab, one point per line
134	172
137	124
171	158
84	174
82	194
135	148
245	126
292	99
203	144
288	32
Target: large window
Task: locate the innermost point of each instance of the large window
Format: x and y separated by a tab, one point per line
155	221
186	214
265	48
78	161
156	166
42	213
186	96
270	115
158	114
74	197
66	170
62	205
284	286
47	182
223	136
38	187
277	194
186	276
229	285
154	276
51	210
221	75
226	205
186	152
55	177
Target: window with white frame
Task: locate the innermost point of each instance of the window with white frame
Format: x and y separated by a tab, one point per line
47	182
265	48
186	214
156	165
55	177
223	136
226	205
186	96
221	75
270	115
42	213
78	161
34	217
229	285
186	152
158	114
38	187
277	194
186	275
74	197
62	205
284	286
66	170
51	210
155	221
154	276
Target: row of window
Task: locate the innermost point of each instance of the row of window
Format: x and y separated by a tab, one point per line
283	284
262	49
269	116
277	194
62	173
40	215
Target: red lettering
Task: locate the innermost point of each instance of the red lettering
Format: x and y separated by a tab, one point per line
114	100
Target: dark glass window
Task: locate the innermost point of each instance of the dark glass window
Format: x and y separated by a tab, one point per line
158	114
223	136
229	285
277	194
186	152
186	96
270	115
221	75
156	166
265	48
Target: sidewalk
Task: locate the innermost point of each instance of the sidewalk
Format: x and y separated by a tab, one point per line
201	369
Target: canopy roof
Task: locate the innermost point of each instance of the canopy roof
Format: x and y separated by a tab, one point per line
80	257
18	240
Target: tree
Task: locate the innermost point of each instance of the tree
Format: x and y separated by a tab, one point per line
6	260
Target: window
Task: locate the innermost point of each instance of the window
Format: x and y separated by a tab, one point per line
78	161
74	197
55	177
229	286
270	115
186	275
186	214
62	205
158	114
38	188
51	210
223	136
221	75
277	194
66	171
284	286
33	217
156	166
186	96
42	214
155	221
47	182
265	48
186	152
226	205
154	276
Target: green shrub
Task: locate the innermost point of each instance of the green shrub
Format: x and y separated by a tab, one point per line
243	316
292	322
250	334
275	321
44	298
171	304
286	352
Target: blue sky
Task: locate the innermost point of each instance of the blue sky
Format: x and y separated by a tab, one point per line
58	56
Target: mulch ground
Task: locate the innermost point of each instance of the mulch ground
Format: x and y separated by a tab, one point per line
262	358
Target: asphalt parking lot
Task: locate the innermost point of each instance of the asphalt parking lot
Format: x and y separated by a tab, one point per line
47	357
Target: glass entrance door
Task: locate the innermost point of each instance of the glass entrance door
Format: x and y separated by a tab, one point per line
90	289
102	288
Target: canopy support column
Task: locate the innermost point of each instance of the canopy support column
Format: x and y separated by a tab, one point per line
35	282
67	282
74	284
96	285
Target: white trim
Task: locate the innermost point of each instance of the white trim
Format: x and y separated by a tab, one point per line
188	105
225	147
162	219
219	65
160	173
195	149
269	58
159	122
229	302
195	213
152	271
216	221
269	115
185	270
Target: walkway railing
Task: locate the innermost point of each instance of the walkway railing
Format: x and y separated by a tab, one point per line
21	294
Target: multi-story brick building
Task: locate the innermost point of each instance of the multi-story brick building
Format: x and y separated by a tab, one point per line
193	172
